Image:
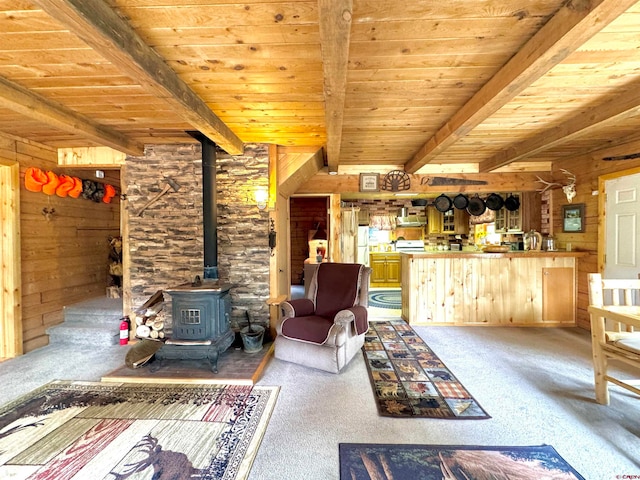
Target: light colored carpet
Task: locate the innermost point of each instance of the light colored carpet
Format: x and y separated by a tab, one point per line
536	383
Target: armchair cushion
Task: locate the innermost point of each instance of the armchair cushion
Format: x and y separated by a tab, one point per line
345	285
313	329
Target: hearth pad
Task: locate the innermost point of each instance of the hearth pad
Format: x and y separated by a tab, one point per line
235	367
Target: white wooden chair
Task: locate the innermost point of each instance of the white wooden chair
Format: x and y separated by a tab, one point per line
615	331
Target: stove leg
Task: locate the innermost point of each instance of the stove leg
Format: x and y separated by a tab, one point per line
213	360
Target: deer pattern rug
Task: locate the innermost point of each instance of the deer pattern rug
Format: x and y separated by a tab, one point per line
408	378
84	430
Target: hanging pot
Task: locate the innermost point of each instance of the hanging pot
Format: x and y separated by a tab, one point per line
512	203
494	202
419	202
461	201
476	206
442	203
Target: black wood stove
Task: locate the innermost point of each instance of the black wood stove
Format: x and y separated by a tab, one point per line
201	323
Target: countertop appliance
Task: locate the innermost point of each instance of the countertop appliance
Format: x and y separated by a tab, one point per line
363	245
410	246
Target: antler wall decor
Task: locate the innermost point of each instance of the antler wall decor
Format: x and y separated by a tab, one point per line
569	189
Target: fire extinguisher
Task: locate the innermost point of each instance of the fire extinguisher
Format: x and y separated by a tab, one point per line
124	330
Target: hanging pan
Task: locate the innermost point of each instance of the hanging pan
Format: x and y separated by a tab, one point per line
512	203
442	203
461	201
476	206
494	202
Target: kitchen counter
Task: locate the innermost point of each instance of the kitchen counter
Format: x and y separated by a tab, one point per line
515	288
510	254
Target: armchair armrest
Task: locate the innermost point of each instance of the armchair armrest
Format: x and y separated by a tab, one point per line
297	308
356	314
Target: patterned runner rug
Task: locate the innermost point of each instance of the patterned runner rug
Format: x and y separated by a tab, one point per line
362	461
73	430
409	380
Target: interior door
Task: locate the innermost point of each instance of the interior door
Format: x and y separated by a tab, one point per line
622	232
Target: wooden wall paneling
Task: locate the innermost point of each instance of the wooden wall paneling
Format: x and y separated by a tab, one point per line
63	260
10	267
95	157
591	171
335	228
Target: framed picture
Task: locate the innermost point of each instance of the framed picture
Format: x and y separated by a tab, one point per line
369	182
573	218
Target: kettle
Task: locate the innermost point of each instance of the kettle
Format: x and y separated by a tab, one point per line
532	240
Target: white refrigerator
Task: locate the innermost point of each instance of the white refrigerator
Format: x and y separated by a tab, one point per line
363	245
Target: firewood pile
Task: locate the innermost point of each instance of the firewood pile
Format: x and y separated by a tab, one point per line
150	318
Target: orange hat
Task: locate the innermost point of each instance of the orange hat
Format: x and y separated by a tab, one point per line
34	178
66	184
109	193
52	183
77	188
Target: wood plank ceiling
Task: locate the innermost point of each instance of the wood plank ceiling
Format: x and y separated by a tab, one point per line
469	86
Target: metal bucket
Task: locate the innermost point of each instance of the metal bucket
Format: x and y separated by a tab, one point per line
252	340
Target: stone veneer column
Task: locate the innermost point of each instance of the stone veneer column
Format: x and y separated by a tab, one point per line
165	243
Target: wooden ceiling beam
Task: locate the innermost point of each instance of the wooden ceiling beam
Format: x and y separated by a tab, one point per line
98	25
31	105
594	118
294	169
335	33
349	185
576	22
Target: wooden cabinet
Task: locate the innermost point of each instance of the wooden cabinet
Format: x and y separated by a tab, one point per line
434	221
558	295
385	269
527	217
451	222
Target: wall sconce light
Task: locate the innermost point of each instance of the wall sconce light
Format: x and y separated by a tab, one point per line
261	196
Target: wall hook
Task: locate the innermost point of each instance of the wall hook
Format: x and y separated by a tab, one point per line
48	213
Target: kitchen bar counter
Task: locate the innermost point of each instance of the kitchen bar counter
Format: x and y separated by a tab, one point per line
510	254
518	288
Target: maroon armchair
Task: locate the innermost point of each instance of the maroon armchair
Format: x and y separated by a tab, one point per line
326	329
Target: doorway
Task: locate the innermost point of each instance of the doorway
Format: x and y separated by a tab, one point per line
306	215
10	267
622	226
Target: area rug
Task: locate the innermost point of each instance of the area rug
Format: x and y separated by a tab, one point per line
389	299
74	430
408	378
362	461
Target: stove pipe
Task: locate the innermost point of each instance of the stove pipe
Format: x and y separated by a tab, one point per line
209	206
